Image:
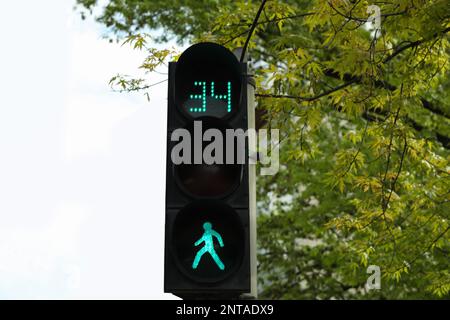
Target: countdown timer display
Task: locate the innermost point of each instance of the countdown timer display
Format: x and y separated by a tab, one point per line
207	84
210	99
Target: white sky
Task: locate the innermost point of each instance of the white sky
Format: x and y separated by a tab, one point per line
82	169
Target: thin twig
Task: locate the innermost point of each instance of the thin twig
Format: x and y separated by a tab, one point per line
252	28
312	98
141	88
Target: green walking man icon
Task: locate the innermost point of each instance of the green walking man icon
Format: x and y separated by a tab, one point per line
207	238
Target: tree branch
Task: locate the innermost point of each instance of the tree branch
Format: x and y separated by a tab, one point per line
295	16
312	98
358	19
252	28
383	84
414	44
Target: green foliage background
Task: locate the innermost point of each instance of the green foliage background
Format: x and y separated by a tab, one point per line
365	125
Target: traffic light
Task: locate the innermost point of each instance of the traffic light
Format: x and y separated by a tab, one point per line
208	230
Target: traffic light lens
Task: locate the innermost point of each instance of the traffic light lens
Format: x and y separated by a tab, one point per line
208	81
210	180
208	241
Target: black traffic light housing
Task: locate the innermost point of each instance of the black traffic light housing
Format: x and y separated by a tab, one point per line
207	84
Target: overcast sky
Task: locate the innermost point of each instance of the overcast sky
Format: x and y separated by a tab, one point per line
81	167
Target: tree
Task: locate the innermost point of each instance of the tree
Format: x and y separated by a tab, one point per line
364	115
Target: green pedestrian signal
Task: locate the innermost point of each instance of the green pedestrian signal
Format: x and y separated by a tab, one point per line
208	239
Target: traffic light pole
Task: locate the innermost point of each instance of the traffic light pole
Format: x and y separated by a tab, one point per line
251	85
253	154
